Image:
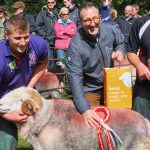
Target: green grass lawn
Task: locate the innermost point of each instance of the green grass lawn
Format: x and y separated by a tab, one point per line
23	144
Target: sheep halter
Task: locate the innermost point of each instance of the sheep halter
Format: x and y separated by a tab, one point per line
106	132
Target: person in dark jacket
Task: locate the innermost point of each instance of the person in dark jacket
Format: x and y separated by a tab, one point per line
125	22
139	38
45	21
73	11
19	9
92	48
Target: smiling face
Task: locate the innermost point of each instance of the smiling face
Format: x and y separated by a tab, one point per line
90	20
128	11
18	41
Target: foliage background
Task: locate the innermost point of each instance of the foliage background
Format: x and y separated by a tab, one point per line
34	6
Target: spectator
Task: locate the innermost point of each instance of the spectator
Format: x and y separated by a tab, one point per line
23	62
105	9
135	8
139	38
125	22
91	49
64	29
113	14
73	11
19	9
3	18
45	25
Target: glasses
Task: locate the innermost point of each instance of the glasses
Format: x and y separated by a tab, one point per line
50	2
95	19
64	14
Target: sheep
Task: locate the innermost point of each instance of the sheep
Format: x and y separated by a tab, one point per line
56	125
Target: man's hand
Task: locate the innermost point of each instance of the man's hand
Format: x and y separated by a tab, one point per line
106	2
91	118
15	116
143	71
117	55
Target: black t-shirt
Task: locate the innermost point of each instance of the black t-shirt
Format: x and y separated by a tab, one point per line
134	43
144	43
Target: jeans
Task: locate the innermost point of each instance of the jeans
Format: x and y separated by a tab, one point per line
51	63
60	53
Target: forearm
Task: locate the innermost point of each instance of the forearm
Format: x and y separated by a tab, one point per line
39	71
77	89
134	59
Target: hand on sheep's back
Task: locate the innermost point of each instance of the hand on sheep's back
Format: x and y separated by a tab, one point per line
15	116
91	118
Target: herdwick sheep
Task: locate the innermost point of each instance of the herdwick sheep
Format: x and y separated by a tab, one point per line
56	125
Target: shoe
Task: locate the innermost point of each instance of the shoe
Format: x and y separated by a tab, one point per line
60	64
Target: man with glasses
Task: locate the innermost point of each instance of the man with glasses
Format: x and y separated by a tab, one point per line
92	48
45	25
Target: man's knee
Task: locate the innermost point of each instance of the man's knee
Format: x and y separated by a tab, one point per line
7	141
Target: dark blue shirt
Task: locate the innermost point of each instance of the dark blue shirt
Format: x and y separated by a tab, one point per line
14	73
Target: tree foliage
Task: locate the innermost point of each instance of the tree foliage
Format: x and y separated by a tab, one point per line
34	6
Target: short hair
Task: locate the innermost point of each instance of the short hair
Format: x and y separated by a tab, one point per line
63	10
113	13
136	6
87	5
16	22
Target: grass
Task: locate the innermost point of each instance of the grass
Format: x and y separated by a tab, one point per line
23	144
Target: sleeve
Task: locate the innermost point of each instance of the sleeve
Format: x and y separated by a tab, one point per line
74	68
42	51
73	30
133	40
119	44
59	32
40	25
32	25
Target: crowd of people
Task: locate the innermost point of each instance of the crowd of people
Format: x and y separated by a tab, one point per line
90	38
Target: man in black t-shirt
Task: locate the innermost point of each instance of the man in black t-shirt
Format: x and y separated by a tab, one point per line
139	38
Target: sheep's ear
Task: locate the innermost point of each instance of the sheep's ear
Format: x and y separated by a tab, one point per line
4	109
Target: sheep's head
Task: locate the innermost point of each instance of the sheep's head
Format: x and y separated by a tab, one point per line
27	99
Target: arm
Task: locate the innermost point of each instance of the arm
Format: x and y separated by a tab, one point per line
142	69
133	45
72	31
40	25
106	3
15	116
32	25
39	71
74	68
59	32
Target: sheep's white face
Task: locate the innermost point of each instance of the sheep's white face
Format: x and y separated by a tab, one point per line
14	100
